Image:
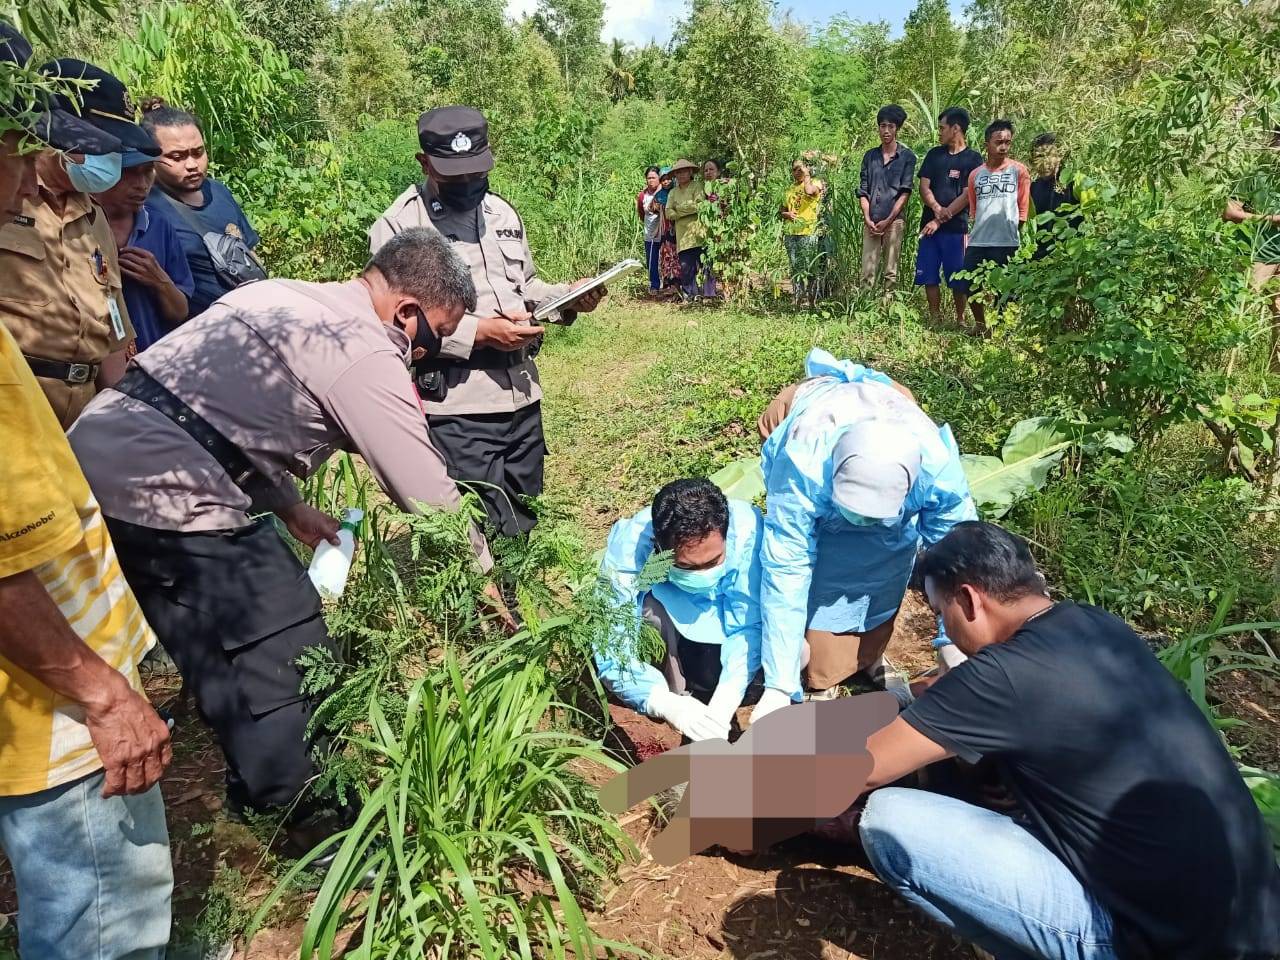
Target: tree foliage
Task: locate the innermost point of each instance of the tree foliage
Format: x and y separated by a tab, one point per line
201	56
738	79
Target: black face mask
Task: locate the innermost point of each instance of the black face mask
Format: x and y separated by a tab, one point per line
462	195
426	343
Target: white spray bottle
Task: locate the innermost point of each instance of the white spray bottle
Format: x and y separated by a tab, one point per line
330	565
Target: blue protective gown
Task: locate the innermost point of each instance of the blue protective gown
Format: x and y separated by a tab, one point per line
729	616
817	569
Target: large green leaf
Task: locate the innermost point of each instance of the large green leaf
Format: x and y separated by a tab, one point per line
1033	449
741	480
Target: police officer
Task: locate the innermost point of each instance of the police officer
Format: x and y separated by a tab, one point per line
481	396
61	297
207	431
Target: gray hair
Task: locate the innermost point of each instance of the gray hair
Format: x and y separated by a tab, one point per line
422	263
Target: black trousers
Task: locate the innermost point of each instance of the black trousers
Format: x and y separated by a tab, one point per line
235	609
688	666
500	457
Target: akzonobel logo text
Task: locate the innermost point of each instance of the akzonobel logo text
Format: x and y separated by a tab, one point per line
33	525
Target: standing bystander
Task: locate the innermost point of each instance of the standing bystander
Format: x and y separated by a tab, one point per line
1050	194
801	216
884	186
81	816
683	205
650	213
157	278
999	197
944	225
62	300
215	233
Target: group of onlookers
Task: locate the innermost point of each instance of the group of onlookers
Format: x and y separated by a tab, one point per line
673	206
974	206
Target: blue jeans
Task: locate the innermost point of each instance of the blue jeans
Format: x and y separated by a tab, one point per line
651	251
94	876
983	875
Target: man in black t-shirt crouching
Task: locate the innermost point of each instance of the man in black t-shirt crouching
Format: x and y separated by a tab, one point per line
1136	836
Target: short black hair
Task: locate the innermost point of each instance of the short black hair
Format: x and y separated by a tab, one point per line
892	113
995	126
649	170
955	117
1044	140
420	262
685	511
983	555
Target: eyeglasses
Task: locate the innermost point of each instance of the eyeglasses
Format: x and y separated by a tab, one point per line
177	156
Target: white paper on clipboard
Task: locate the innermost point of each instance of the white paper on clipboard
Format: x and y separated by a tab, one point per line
619	269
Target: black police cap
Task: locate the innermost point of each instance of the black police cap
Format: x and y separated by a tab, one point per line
49	124
456	139
105	104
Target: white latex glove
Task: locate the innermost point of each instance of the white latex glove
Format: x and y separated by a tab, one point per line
950	656
724	704
770	701
687	715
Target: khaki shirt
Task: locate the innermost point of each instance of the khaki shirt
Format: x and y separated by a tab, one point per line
287	371
60	292
492	241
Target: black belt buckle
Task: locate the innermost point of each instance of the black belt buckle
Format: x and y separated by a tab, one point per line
79	372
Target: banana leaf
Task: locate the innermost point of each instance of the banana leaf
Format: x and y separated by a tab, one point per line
741	480
1033	449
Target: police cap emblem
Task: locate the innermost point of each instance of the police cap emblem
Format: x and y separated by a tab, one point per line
461	143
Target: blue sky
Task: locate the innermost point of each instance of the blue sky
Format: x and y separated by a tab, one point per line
639	21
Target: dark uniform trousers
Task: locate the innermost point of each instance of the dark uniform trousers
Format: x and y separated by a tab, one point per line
500	457
235	609
688	666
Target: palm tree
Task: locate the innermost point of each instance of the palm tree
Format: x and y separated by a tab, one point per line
622	81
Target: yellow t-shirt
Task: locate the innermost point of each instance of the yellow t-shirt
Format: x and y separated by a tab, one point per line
805	207
50	524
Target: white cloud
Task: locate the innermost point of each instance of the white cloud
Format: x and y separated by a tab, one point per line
635	21
516	9
640	21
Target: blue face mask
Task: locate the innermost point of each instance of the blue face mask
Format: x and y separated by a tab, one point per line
696	581
96	174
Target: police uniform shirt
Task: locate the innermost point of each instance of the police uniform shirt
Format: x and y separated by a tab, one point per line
287	371
61	294
492	241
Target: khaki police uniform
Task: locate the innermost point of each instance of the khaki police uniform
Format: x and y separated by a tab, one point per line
61	296
482	404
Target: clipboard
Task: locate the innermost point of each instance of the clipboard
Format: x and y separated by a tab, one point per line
544	310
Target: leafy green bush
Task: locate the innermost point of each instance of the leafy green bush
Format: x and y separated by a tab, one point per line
313	203
1134	311
1154	540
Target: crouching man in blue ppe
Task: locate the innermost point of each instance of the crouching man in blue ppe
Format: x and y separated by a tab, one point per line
706	610
857	478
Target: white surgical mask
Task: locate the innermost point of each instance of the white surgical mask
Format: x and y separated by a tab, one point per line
96	174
